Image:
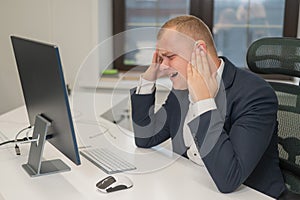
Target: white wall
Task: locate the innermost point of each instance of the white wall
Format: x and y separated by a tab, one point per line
76	26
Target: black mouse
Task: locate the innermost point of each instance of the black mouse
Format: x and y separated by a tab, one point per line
114	183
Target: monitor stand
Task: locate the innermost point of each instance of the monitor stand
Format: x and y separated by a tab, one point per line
35	166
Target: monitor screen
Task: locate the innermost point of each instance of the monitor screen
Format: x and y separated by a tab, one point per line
45	93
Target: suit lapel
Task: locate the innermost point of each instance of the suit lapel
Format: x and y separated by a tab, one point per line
228	77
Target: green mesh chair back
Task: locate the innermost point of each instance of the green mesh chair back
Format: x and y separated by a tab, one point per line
282	56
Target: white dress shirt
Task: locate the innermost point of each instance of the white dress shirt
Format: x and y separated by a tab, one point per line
195	109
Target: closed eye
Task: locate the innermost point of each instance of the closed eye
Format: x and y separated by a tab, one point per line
171	56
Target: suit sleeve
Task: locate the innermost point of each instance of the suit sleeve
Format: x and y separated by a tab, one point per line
231	154
150	128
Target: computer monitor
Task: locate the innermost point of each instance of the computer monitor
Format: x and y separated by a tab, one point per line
47	104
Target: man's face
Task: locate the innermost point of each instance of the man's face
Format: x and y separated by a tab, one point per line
174	50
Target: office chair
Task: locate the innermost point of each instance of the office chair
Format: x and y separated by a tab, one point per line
282	56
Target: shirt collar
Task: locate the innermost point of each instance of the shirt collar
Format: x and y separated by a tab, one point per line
220	71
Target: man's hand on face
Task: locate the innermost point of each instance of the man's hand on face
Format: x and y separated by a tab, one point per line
201	76
153	72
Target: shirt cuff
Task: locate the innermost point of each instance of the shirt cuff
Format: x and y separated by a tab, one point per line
202	106
145	86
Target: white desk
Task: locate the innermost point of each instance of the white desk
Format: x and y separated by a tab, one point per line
159	176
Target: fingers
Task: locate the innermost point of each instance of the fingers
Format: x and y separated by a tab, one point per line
155	57
192	66
205	65
193	59
198	65
202	62
189	70
151	74
197	60
201	75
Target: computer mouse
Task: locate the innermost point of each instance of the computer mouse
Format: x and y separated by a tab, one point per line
114	183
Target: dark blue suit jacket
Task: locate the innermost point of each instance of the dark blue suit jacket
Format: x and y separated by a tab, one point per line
237	141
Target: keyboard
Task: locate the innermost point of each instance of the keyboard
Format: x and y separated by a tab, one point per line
106	160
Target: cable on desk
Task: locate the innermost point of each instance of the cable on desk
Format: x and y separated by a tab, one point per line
22	130
14	141
16	137
23	140
17	148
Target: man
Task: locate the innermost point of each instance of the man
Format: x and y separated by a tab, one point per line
216	114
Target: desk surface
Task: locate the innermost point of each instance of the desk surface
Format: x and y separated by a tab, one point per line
160	174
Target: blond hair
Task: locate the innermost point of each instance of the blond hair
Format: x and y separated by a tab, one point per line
192	27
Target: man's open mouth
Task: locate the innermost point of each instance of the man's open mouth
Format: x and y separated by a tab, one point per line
173	74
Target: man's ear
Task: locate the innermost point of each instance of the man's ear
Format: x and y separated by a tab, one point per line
201	44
